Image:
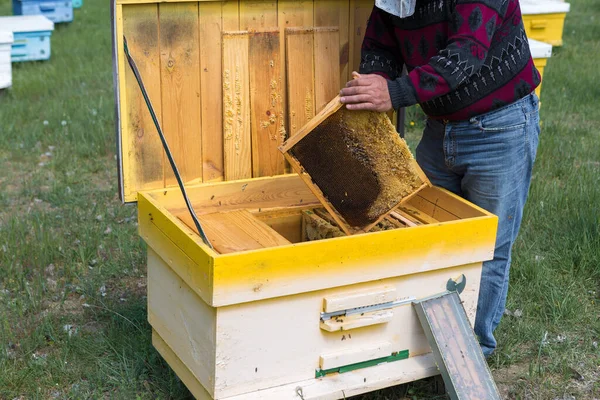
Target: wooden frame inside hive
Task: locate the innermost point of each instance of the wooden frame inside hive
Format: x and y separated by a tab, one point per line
355	164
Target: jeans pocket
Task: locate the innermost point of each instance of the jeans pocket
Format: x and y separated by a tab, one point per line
504	120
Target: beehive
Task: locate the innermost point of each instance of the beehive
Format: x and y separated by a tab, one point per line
230	81
56	11
545	19
6	40
31	37
540	52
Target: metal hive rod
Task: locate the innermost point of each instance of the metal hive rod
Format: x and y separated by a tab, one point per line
138	78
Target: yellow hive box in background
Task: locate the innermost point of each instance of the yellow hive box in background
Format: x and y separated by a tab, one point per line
540	52
545	19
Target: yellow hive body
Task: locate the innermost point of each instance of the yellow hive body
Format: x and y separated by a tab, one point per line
230	81
540	52
545	19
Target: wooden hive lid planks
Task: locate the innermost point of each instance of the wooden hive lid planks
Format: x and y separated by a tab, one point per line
224	80
235	231
356	164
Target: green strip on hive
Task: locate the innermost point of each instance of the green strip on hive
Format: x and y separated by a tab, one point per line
401	355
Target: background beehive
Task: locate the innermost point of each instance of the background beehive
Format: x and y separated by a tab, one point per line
230	80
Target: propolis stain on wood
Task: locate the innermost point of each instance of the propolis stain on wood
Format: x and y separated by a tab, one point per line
361	165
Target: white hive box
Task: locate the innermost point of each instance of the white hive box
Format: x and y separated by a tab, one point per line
6	40
540	52
31	36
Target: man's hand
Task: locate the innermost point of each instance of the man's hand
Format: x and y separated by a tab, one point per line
367	92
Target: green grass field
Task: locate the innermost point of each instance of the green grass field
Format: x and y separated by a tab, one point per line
72	267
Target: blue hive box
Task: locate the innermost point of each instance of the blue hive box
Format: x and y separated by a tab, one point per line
31	37
77	3
55	11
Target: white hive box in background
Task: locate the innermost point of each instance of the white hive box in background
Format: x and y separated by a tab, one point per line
31	36
6	39
540	52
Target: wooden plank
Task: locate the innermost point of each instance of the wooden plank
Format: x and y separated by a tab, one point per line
187	325
236	231
211	90
182	372
360	11
267	119
287	222
237	150
395	222
450	202
283	191
418	214
291	13
197	276
404	218
300	77
295	13
143	155
353	356
455	348
122	107
336	13
431	209
357	321
258	14
327	67
180	86
359	298
352	384
231	15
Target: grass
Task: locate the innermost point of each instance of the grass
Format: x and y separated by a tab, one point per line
72	286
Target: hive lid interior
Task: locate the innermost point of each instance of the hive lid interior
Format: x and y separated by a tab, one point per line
219	71
26	23
356	164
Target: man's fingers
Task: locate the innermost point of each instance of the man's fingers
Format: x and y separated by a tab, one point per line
350	91
362	106
359	98
363	81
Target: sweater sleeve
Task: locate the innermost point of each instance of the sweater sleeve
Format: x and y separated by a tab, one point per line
472	26
380	52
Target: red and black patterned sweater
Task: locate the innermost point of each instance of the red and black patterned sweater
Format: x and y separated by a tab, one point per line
463	57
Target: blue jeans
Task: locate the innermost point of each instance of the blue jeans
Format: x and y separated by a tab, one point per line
488	161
